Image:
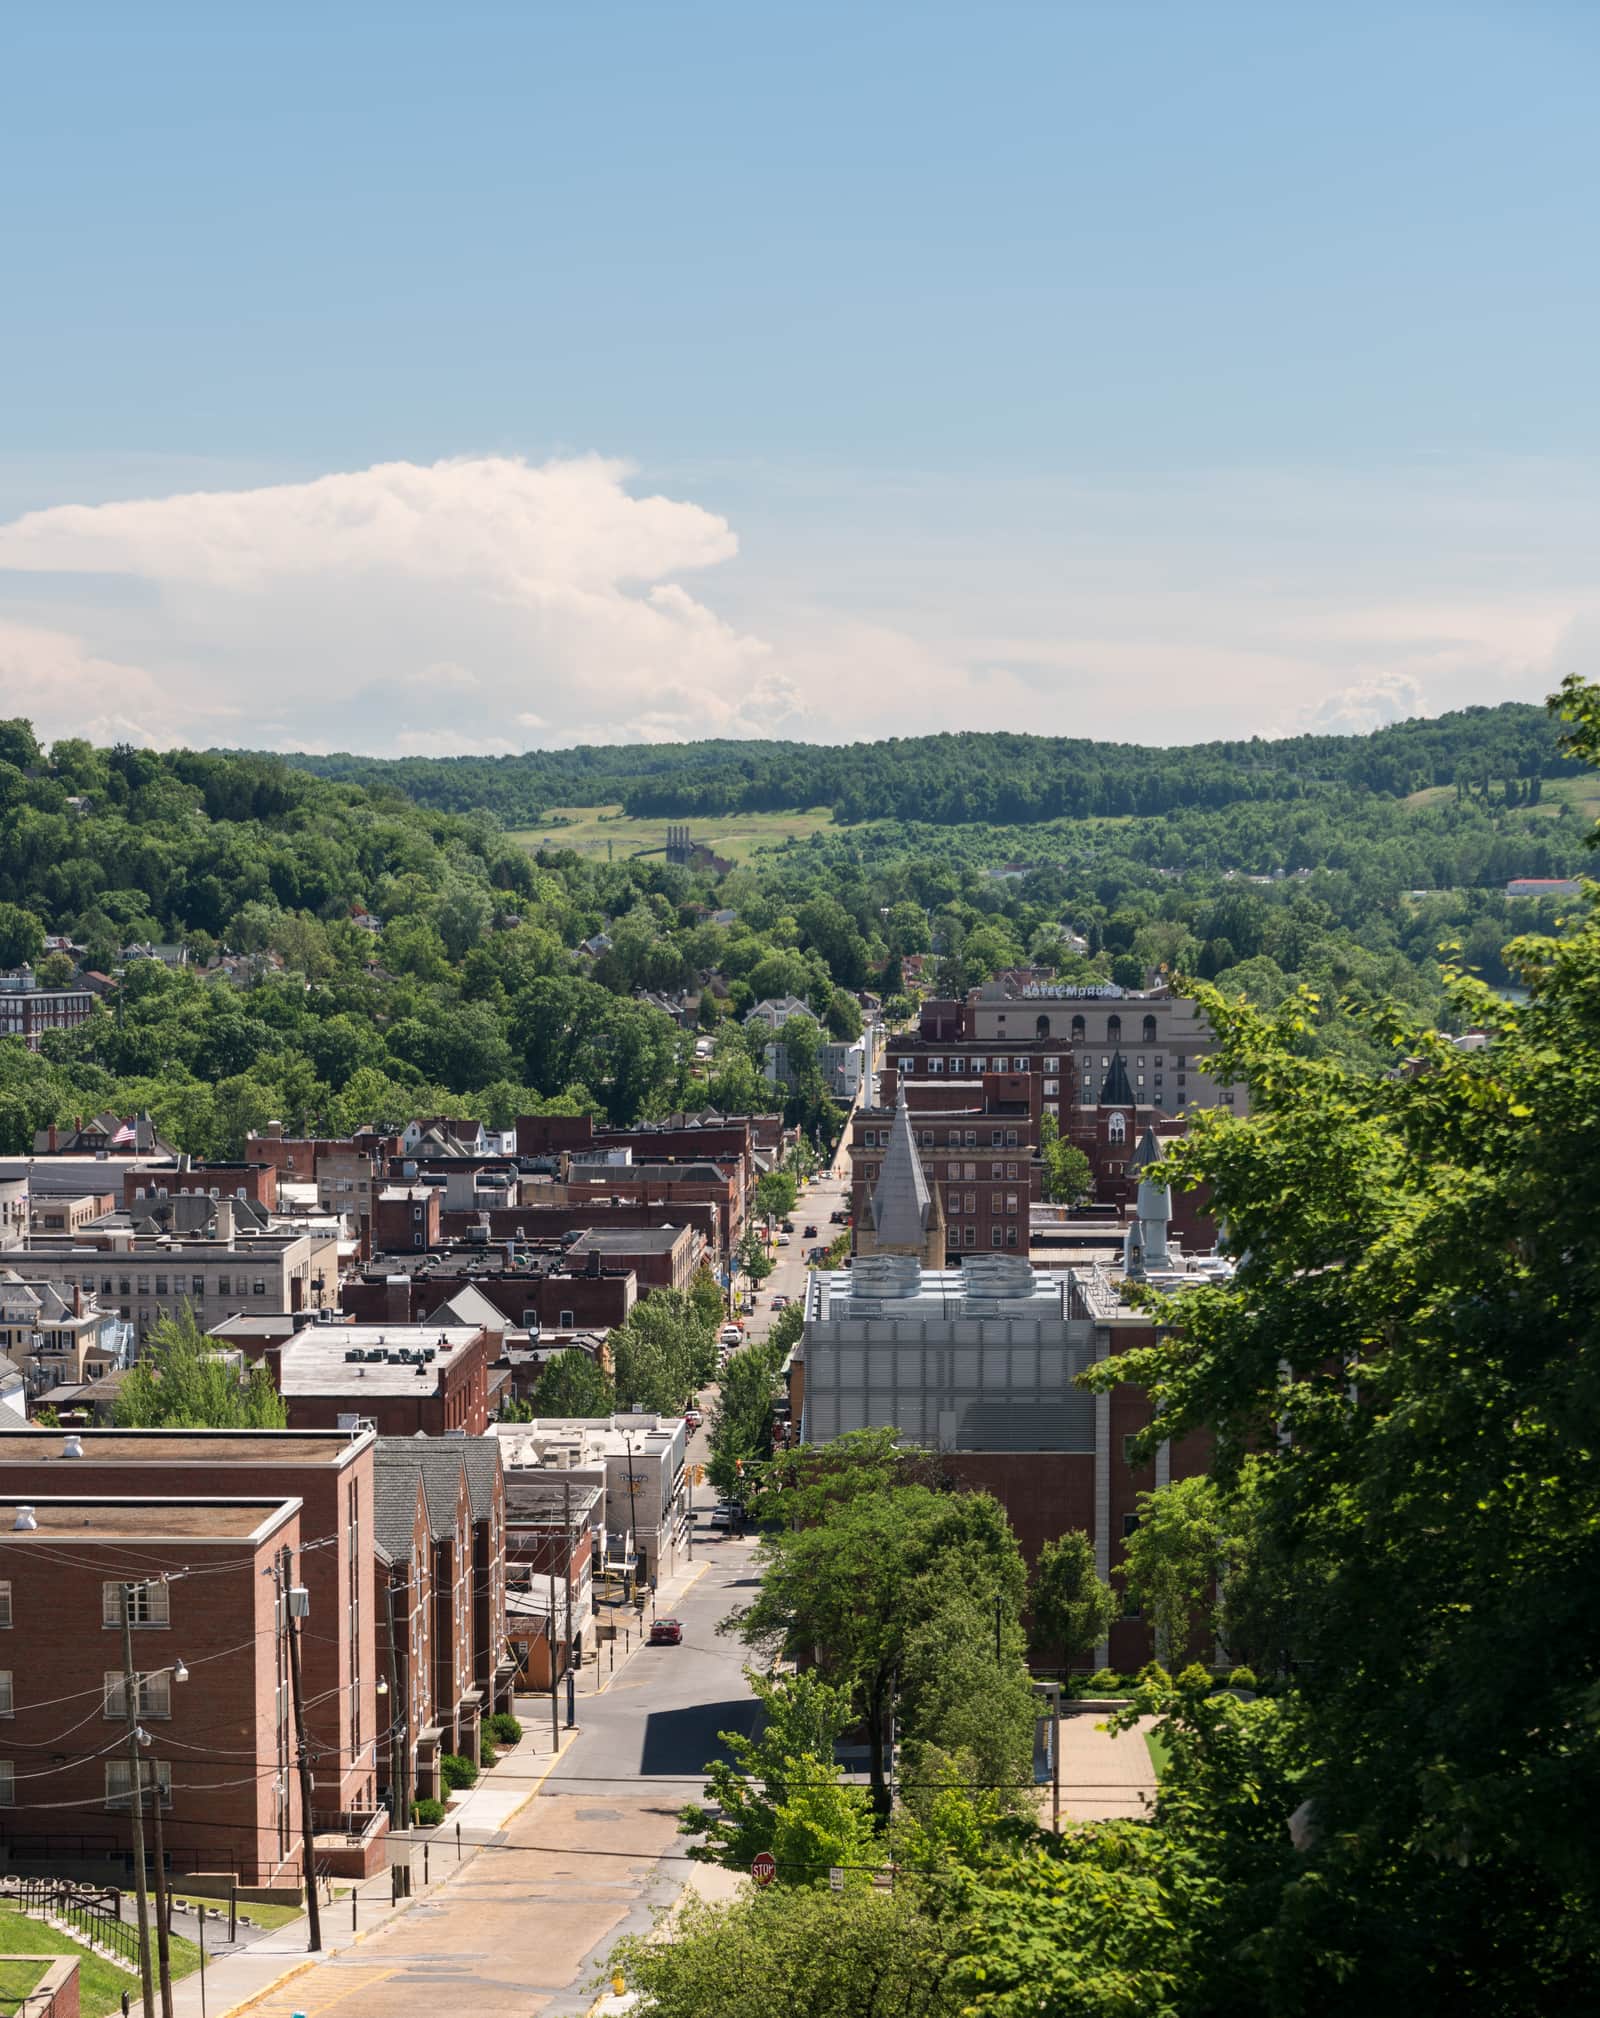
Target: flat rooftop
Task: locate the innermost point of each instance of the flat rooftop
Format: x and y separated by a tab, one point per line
359	1359
619	1240
148	1519
207	1447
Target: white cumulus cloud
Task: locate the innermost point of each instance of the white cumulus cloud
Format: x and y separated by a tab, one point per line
439	609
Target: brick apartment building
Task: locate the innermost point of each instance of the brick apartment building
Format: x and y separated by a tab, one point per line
442	1544
407	1380
28	1011
210	1651
667	1188
980	1153
330	1474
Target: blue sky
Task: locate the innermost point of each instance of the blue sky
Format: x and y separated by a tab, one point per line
424	378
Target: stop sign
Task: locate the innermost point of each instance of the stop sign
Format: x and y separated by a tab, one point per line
763	1867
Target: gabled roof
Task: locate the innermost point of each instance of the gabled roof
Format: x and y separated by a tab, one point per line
440	1460
902	1203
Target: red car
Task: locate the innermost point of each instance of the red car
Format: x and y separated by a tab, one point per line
666	1633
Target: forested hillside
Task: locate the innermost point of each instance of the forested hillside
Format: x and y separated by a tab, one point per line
1002	778
335	954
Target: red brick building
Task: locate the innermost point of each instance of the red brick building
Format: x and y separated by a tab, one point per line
255	1182
660	1257
530	1295
209	1649
405	1380
330	1475
407	1218
980	1151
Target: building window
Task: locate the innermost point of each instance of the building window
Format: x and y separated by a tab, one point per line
935	1064
8	1784
1149	1030
565	1320
161	1285
997	1138
258	1287
5	1605
153	1692
1052	1065
1117	1128
997	1236
5	1692
972	1139
1129	1523
1011	1236
1011	1201
1011	1170
980	1064
148	1604
1128	1457
197	1285
1052	1087
119	1782
223	1282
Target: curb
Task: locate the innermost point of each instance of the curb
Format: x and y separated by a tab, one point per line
277	1983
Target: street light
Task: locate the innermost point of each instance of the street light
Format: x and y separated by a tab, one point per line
180	1673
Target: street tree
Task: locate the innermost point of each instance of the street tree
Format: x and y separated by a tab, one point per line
1073	1607
1172	1561
573	1382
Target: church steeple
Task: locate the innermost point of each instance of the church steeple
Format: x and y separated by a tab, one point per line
902	1202
1116	1092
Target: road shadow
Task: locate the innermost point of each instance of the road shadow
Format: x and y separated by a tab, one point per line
686	1741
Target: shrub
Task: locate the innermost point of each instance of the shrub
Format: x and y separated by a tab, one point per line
504	1728
487	1755
1105	1682
427	1814
457	1772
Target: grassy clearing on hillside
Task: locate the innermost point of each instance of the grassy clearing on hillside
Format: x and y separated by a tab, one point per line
1582	794
588	830
17	1980
100	1983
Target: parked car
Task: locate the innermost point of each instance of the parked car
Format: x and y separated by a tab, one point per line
780	1303
809	1234
667	1633
786	1226
693	1417
839	1218
721	1517
730	1334
783	1240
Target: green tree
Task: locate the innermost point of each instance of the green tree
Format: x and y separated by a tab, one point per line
183	1380
21	936
1172	1560
790	1950
1073	1608
664	1351
573	1382
1068	1176
865	1567
792	1756
776	1194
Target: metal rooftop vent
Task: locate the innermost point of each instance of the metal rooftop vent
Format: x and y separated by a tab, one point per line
72	1447
24	1522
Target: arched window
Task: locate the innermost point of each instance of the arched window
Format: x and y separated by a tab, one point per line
1117	1127
1149	1030
1042	1027
1113	1029
1077	1029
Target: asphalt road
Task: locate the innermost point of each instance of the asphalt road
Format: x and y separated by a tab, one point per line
527	1923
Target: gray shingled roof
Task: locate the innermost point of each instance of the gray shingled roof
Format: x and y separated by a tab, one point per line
902	1203
439	1459
394	1498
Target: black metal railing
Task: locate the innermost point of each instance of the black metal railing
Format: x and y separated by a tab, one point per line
93	1915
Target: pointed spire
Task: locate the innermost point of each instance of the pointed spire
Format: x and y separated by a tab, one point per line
902	1202
1148	1151
1117	1092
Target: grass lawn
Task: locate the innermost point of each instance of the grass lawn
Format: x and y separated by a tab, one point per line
17	1979
589	830
265	1917
1156	1745
100	1983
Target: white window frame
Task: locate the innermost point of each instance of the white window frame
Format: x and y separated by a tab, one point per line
150	1605
154	1692
119	1781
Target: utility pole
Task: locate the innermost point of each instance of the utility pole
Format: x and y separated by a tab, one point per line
555	1706
998	1658
566	1567
307	1824
130	1704
163	1909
